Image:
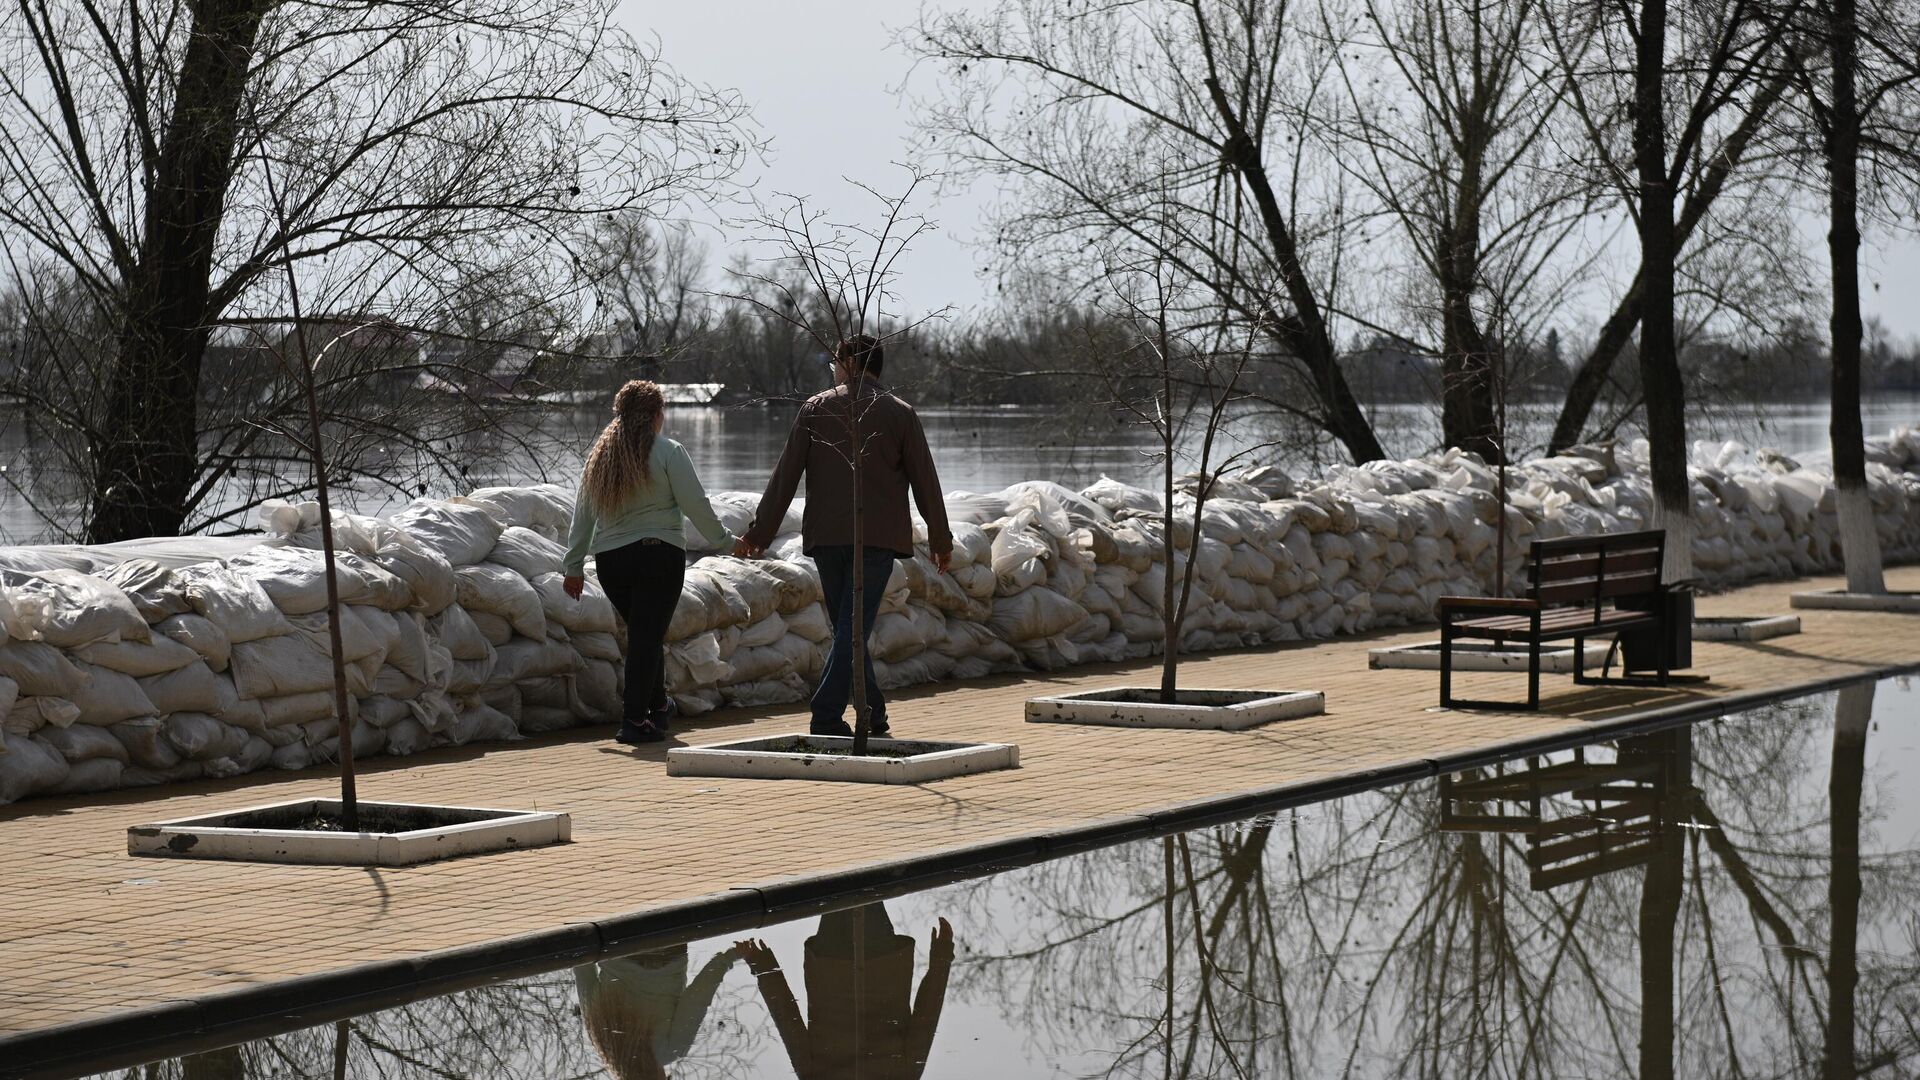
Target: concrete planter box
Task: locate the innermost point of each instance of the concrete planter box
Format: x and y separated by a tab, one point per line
415	833
1842	600
1744	627
1138	706
1486	656
829	757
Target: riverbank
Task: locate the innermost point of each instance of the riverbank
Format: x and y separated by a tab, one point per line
103	949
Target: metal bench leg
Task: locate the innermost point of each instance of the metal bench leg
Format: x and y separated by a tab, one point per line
1579	661
1446	667
1533	674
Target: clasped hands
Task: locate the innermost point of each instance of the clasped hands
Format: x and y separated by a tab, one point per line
746	549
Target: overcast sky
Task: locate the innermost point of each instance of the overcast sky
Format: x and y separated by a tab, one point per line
822	78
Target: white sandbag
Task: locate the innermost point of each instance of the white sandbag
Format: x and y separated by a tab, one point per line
278	666
427	575
198	633
591	613
545	508
527	658
294	579
153	589
694	663
238	606
292	757
479	723
527	553
408	649
83	742
190	688
1033	615
499	591
30	714
456	631
293	709
595	691
364	632
597	646
107	697
810	622
200	737
155	657
146	743
66	608
407	737
495	629
30	767
39	668
461	534
796	584
254	754
764	632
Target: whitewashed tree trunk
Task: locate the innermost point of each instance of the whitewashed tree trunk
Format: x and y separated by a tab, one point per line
1678	522
1859	540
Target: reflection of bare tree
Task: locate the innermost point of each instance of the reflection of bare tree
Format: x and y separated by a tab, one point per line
1634	925
866	1021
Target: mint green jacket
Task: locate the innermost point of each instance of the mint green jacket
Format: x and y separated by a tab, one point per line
658	511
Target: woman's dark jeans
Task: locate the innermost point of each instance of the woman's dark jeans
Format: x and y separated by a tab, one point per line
836	681
643	580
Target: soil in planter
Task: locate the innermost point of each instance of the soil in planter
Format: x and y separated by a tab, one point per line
374	819
877	749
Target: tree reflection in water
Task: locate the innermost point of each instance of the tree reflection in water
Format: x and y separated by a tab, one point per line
1687	933
1727	900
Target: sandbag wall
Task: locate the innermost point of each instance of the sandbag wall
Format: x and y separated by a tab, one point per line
122	671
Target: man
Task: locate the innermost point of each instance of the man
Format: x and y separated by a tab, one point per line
893	458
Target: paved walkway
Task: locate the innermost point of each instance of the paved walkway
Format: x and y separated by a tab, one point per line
89	932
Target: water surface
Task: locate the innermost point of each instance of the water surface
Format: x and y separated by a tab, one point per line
1734	898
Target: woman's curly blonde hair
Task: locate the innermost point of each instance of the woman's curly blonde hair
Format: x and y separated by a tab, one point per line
618	464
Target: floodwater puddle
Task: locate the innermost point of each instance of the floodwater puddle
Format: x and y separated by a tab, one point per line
1729	898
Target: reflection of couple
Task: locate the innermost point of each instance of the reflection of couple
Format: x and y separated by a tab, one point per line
642	1013
866	1021
639	489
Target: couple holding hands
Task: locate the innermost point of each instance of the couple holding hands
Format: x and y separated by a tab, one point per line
639	489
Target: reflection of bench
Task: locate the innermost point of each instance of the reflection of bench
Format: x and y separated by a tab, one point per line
1623	810
1575	586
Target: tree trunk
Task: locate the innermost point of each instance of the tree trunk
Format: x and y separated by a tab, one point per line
1659	362
1469	364
862	726
1305	332
1660	895
1591	376
149	456
1859	543
1852	715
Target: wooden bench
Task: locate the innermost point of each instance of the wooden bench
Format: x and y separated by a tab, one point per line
1574	590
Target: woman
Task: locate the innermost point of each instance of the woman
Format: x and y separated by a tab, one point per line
636	488
641	1011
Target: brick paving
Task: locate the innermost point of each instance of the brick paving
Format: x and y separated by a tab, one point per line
89	931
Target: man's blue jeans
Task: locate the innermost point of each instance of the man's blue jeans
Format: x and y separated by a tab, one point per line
836	579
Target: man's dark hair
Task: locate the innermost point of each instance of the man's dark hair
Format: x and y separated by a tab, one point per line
863	351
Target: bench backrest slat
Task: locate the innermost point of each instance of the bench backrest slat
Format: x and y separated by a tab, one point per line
1579	570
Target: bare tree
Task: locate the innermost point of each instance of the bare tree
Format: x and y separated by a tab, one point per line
422	146
1452	126
1725	70
1865	116
833	281
649	281
1173	127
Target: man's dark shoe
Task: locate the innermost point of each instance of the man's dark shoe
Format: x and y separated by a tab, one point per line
830	727
877	725
664	716
632	734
